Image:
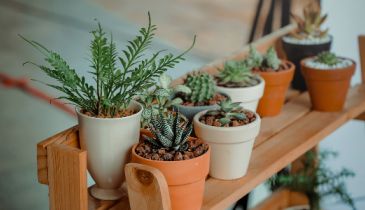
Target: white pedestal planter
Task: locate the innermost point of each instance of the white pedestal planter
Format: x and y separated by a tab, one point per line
108	142
248	96
231	147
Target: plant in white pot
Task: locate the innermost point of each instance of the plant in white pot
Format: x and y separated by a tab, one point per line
198	93
316	180
230	132
108	117
238	82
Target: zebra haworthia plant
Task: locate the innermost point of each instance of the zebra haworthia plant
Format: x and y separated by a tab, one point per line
227	112
169	132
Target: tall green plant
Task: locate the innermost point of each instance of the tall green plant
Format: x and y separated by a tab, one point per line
115	86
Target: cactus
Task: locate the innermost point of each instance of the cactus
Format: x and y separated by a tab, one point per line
236	74
198	87
327	58
169	132
310	26
227	112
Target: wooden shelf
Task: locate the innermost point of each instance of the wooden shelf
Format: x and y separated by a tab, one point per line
282	140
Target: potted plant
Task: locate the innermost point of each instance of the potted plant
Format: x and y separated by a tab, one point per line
277	75
108	117
230	132
183	160
238	82
198	93
328	78
316	181
307	40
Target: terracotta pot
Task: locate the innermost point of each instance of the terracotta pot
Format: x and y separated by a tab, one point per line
296	52
248	96
276	86
298	207
328	88
108	142
186	179
231	147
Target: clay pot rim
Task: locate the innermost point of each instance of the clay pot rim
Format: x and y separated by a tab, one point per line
291	68
77	109
312	44
302	63
226	129
173	161
240	88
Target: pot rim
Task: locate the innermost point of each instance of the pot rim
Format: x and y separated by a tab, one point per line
77	109
303	61
311	44
262	82
226	129
292	68
202	107
173	161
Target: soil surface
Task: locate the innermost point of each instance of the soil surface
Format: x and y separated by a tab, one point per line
283	67
253	82
120	114
214	120
196	148
215	100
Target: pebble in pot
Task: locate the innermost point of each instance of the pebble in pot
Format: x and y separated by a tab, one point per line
238	82
307	40
230	132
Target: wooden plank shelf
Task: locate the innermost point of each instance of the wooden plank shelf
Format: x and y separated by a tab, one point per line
282	140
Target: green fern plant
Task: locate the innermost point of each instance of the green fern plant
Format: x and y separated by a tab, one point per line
236	74
114	86
227	112
169	132
198	87
327	58
316	180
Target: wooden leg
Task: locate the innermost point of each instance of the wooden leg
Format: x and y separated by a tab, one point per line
361	117
147	188
362	56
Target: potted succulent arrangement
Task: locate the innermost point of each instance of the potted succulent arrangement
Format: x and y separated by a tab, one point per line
230	132
183	160
316	181
308	40
277	75
238	82
198	93
328	79
108	117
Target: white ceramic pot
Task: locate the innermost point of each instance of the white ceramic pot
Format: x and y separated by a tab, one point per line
248	96
231	147
299	207
108	142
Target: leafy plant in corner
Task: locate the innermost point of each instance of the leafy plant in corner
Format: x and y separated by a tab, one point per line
327	58
227	112
310	26
114	87
316	180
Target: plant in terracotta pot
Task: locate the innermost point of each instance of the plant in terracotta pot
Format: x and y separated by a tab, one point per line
230	132
328	79
307	40
238	82
198	93
108	117
277	75
316	181
183	160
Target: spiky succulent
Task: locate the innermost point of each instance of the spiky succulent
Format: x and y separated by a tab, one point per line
310	26
327	58
270	60
236	74
227	112
169	132
198	87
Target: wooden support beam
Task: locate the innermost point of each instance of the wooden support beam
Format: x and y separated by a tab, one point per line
67	178
361	39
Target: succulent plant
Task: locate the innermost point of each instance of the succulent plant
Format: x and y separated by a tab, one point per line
227	112
327	58
236	74
169	132
254	58
268	61
271	59
310	26
198	87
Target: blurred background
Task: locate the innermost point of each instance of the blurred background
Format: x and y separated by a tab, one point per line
222	27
